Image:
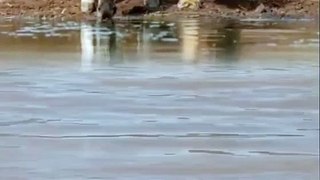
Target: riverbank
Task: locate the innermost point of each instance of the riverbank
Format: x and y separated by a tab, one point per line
51	9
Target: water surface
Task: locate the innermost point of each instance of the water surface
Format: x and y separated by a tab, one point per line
184	99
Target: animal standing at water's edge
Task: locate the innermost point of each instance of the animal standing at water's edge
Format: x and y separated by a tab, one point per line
105	9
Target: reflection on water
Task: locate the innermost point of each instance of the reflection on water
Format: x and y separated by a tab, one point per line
159	100
131	41
221	42
95	47
87	47
190	34
229	44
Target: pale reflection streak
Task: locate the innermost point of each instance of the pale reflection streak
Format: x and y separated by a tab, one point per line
144	42
87	47
190	40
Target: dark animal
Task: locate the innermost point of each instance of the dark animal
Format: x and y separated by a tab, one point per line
105	9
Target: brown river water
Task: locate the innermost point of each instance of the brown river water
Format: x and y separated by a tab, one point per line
163	99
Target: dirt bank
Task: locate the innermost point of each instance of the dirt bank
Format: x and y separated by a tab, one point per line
71	9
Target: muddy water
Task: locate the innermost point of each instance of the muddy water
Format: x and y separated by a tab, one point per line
184	99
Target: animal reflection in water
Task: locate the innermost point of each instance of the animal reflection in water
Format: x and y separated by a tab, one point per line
98	46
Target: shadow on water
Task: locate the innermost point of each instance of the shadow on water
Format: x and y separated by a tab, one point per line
229	44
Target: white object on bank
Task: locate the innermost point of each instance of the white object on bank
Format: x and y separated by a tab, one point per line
86	4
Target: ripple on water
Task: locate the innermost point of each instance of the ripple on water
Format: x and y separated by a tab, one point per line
172	97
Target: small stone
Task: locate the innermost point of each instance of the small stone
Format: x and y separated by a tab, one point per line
299	7
63	11
260	9
8	4
189	4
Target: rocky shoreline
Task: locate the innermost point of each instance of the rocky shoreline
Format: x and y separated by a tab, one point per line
51	9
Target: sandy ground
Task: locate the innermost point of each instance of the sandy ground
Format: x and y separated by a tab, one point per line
71	8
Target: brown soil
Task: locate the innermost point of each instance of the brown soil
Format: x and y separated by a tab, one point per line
237	8
40	8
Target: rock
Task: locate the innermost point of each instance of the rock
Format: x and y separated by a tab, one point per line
299	7
189	4
152	4
63	11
